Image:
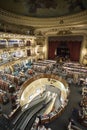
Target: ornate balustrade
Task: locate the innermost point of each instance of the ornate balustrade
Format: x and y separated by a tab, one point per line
45	22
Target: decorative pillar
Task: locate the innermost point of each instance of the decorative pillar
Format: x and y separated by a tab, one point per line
83	49
46	47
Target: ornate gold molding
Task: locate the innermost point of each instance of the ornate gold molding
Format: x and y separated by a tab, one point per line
42	22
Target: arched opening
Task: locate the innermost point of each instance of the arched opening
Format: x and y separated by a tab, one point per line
65	47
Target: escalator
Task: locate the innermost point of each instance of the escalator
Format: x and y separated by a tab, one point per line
25	116
25	119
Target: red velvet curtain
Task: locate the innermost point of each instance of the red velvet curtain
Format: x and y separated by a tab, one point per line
73	46
53	45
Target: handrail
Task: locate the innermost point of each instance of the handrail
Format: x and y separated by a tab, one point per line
30	106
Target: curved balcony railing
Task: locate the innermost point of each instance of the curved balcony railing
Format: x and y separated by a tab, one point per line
45	22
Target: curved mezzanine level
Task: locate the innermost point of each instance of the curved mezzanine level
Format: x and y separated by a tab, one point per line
39	82
73	25
52	85
79	18
45	25
48	82
44	28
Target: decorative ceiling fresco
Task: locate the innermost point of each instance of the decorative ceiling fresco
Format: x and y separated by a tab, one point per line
44	8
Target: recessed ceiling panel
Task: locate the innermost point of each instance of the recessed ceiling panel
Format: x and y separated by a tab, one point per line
44	8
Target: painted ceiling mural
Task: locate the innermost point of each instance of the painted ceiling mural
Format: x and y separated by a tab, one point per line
44	8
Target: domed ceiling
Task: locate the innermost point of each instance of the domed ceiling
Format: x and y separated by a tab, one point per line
44	8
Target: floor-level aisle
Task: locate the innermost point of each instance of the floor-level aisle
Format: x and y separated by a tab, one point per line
62	122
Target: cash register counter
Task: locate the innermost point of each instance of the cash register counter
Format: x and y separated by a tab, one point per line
37	85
